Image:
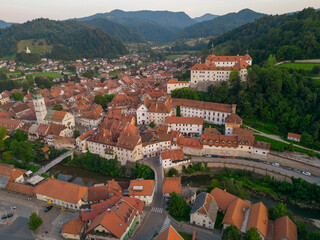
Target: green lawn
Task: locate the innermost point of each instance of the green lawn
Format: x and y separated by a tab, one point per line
185	236
281	146
35	46
173	57
47	74
268	128
305	66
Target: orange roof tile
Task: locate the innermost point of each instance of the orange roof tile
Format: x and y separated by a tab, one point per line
233	119
227	108
174	155
223	198
184	120
20	188
258	218
65	191
169	234
141	187
294	135
58	116
284	228
172	81
171	184
74	226
236	212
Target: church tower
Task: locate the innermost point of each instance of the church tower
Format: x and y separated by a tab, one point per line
39	105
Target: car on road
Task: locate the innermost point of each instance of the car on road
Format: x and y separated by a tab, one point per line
287	168
215	156
48	208
9	215
223	157
207	156
266	162
255	160
275	164
239	158
246	158
306	173
296	171
233	157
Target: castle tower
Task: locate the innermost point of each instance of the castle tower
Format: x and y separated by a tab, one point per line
39	105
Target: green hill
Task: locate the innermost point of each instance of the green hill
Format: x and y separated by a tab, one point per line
289	37
4	24
219	25
118	31
60	39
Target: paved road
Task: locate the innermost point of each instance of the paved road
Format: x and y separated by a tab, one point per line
54	162
260	165
153	221
278	138
18	230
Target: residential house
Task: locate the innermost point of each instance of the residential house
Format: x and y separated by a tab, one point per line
204	211
169	234
73	229
174	84
186	125
170	185
294	137
173	158
232	122
142	189
284	228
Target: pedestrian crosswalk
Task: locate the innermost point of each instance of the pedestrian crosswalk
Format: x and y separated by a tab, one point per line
157	210
165	224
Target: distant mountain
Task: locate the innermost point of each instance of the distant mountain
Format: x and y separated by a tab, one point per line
4	24
219	25
61	39
205	17
116	30
288	37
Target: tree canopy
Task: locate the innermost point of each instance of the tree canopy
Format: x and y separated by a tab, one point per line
34	222
231	233
178	208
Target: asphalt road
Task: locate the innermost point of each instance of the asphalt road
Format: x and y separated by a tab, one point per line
282	171
152	222
18	230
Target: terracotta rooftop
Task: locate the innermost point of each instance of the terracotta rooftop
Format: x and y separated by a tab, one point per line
294	135
172	81
169	234
20	188
174	155
65	191
171	184
141	187
219	107
262	145
284	228
258	218
184	120
86	134
205	204
223	198
74	226
233	119
58	116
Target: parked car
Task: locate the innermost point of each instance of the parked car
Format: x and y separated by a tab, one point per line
255	160
233	157
275	164
207	156
215	156
306	173
48	208
223	157
296	171
287	168
9	215
266	162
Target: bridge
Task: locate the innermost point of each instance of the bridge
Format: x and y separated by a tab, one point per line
54	162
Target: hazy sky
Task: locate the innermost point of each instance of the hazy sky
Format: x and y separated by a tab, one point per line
23	10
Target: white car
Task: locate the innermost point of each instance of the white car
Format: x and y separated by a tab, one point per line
306	173
276	164
207	156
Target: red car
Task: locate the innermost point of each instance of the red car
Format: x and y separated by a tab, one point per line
224	157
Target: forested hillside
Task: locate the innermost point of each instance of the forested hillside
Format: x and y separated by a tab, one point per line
67	40
117	31
4	24
289	37
274	95
219	25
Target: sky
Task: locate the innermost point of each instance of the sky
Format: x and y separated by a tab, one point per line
23	10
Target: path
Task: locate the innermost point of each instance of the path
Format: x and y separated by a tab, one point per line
278	138
54	162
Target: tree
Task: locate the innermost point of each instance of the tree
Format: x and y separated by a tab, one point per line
316	69
271	61
178	111
3	134
278	211
17	96
252	234
34	222
76	133
152	124
173	172
99	99
178	208
57	107
142	171
214	183
231	233
108	97
3	76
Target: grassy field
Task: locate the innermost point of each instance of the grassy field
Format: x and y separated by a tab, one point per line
173	57
35	46
185	236
47	74
305	66
281	146
268	128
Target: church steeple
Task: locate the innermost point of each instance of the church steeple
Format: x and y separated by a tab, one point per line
212	49
39	104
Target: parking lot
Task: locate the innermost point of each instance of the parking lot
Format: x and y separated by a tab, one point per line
16	228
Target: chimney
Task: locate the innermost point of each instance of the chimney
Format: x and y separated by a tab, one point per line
233	108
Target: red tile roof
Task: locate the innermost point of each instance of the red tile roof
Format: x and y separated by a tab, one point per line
169	234
141	187
174	155
219	107
171	184
223	198
284	228
74	226
184	120
294	135
258	218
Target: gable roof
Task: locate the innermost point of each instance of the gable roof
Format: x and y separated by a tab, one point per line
258	218
294	135
174	155
233	119
205	204
74	226
223	198
169	234
184	120
171	184
219	107
141	187
284	228
65	191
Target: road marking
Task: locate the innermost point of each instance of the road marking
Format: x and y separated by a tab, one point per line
165	224
157	210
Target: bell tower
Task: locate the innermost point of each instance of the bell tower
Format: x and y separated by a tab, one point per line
39	105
